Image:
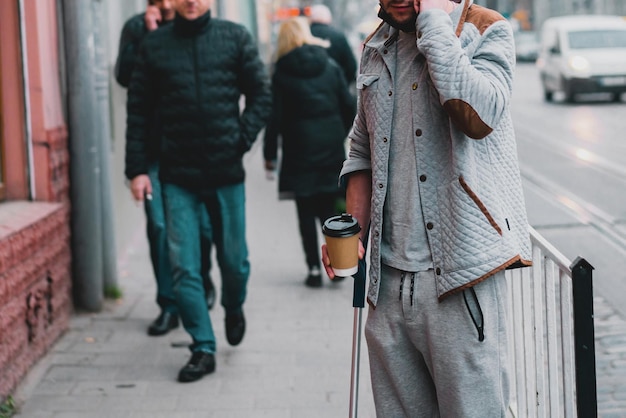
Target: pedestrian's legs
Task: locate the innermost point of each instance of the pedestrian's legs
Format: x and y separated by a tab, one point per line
417	344
325	207
183	210
227	212
206	242
157	239
307	210
471	368
401	381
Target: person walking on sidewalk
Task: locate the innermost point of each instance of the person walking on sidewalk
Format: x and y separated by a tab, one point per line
191	75
433	170
312	113
158	13
320	19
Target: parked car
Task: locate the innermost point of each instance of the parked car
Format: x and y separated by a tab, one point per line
583	54
526	46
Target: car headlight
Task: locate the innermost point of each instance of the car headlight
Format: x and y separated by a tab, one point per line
579	64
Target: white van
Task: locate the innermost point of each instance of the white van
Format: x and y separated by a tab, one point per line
583	54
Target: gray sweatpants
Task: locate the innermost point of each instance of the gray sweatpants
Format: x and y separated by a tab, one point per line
427	358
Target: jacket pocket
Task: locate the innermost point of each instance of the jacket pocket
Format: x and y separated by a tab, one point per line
367	87
469	233
479	204
364	81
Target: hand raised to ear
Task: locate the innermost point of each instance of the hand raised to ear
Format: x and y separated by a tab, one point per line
447	5
152	18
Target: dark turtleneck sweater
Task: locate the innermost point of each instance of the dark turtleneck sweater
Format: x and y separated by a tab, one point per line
187	28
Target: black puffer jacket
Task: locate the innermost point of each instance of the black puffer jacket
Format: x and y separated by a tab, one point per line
190	75
132	35
133	32
313	112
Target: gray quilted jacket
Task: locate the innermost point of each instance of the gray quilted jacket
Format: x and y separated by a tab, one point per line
470	185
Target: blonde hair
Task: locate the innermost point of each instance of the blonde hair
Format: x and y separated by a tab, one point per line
294	33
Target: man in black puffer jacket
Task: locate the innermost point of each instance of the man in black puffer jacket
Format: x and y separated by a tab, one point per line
191	75
157	14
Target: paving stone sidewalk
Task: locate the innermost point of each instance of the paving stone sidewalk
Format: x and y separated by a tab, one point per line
294	362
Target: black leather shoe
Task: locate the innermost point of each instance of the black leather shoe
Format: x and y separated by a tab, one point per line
313	280
235	328
209	292
199	364
165	322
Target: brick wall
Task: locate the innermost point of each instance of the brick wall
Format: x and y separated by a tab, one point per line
35	285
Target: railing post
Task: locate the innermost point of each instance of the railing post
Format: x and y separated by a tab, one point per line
584	339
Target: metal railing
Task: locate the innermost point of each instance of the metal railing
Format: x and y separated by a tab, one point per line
552	336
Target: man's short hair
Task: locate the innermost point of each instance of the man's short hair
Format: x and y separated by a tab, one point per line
320	13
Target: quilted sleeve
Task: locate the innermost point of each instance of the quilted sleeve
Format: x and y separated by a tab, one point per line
474	80
132	34
255	86
359	154
139	112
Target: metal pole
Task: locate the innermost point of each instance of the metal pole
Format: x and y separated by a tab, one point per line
358	302
103	136
584	339
30	172
356	360
84	157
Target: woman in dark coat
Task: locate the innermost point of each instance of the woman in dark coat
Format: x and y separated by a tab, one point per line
312	113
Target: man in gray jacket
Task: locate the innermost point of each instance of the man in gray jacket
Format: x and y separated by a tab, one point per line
433	170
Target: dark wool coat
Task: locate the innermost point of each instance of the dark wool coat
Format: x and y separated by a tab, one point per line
312	113
189	78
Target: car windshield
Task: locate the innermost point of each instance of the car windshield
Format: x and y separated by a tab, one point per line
609	38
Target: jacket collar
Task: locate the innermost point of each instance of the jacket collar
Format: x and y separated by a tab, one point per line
192	27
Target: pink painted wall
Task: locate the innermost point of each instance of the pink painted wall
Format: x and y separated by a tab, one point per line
35	250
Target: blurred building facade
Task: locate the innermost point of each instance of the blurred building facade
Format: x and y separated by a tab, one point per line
536	11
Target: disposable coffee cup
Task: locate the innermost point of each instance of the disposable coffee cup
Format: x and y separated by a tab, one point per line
342	242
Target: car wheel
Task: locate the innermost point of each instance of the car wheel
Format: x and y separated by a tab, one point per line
548	96
617	97
570	94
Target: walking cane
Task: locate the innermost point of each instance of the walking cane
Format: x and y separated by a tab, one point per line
358	302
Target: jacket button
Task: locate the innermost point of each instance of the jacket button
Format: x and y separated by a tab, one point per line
390	93
438	271
418	132
385	139
380	185
429	226
385	52
414	86
422	178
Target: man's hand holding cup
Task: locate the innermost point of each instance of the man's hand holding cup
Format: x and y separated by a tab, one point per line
343	248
